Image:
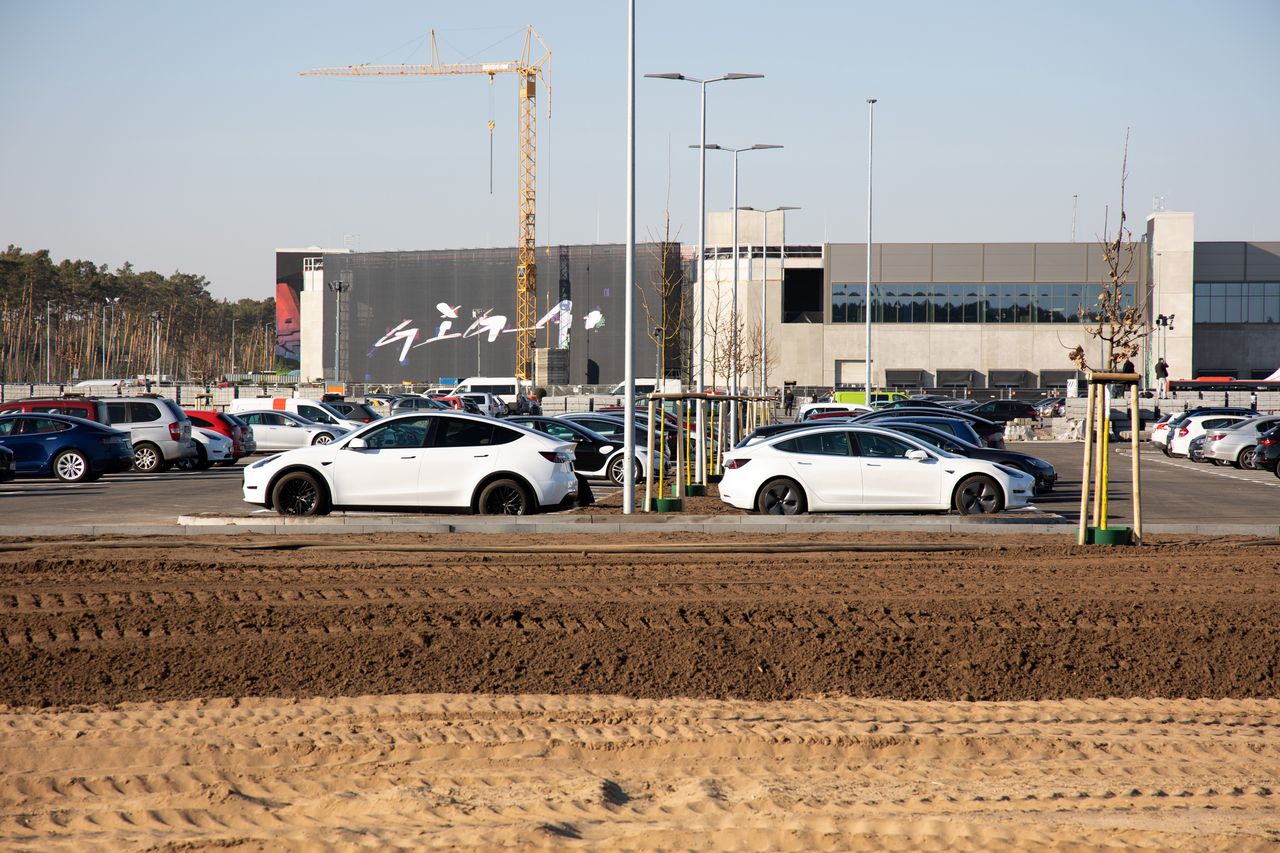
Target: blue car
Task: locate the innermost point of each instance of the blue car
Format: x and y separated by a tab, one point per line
72	449
6	465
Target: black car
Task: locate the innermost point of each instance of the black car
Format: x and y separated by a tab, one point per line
1004	411
1268	453
760	433
1044	473
361	412
954	427
7	471
595	456
991	433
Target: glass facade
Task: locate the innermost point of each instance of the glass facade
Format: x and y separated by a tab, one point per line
967	303
1237	302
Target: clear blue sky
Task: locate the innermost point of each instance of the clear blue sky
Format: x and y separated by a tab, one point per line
178	136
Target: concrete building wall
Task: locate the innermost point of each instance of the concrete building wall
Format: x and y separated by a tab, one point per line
1171	237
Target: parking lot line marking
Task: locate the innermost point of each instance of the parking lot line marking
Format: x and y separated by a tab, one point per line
1211	469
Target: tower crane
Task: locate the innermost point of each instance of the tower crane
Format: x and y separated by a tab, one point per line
528	68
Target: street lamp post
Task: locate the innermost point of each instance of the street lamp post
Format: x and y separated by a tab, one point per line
233	346
339	287
733	312
157	317
871	112
702	244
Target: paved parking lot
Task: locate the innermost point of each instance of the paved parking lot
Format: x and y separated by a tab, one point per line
1175	491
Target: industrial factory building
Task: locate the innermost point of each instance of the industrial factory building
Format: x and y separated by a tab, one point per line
944	315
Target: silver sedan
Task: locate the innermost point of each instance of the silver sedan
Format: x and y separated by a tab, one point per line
1236	444
276	430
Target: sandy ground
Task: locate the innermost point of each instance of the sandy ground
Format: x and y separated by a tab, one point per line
410	692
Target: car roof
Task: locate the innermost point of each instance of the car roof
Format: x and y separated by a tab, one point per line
71	419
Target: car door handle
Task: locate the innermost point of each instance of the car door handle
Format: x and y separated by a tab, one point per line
804	463
481	455
873	464
408	457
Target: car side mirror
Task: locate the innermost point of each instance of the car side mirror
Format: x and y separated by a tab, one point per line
917	455
356	444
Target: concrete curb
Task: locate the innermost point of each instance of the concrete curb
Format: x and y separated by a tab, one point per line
222	525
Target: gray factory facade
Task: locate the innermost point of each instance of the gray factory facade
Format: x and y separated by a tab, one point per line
433	316
944	315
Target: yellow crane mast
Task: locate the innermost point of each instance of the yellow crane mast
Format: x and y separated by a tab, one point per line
528	69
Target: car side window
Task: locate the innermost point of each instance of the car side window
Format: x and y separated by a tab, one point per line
200	421
822	444
9	426
878	446
561	431
406	433
143	412
457	432
32	426
118	412
312	413
502	435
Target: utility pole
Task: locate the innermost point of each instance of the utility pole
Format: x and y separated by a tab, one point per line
339	287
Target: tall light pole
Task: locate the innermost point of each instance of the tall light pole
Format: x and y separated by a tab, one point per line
764	280
871	115
233	346
157	316
48	375
629	349
339	287
733	312
702	244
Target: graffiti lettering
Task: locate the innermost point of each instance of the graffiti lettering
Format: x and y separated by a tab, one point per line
487	325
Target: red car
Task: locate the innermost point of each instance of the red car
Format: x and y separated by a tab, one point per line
225	423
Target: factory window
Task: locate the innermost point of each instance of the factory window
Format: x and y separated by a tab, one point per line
1237	302
968	303
802	296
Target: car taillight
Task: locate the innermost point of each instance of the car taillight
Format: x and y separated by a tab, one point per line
175	431
107	439
1182	431
1161	426
556	455
1269	441
1217	436
733	464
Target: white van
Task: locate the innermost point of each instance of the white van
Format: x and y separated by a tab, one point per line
647	386
506	388
312	410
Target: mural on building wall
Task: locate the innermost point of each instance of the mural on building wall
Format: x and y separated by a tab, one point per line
288	307
485	325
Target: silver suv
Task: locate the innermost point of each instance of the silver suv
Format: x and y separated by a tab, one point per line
159	429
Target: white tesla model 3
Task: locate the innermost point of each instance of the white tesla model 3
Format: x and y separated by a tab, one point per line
422	460
846	467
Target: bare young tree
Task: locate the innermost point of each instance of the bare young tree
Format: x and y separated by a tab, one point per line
1121	327
664	303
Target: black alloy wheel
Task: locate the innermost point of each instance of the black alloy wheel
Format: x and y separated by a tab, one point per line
299	493
504	497
978	495
781	496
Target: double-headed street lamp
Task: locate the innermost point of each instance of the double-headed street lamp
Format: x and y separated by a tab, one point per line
702	201
702	239
733	314
764	293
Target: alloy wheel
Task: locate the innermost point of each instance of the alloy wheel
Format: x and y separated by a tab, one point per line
978	495
71	467
297	497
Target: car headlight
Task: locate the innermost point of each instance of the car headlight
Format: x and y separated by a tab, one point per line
268	461
1012	472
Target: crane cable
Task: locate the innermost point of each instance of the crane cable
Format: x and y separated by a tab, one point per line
490	134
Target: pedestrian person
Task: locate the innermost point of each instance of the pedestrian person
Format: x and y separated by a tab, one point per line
1162	377
789	402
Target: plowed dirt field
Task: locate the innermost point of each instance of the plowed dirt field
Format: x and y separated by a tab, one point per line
820	692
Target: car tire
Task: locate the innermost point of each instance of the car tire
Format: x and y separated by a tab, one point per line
300	493
1223	463
978	495
193	463
148	459
322	438
616	470
1196	454
504	497
71	466
1248	459
781	496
